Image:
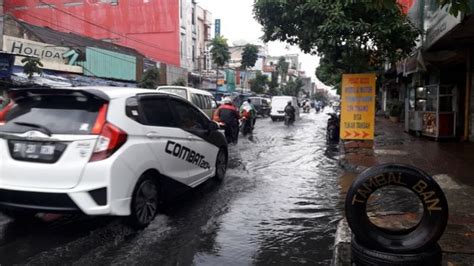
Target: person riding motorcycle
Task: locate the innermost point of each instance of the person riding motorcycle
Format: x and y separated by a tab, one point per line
290	111
228	116
248	111
307	106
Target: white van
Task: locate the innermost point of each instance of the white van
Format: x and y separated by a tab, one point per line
278	107
202	99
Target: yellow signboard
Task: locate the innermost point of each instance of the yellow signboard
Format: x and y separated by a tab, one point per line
358	106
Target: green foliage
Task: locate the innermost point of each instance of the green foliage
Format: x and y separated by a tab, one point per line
456	6
395	108
220	51
180	82
282	68
322	97
273	85
32	65
350	36
292	87
150	79
249	56
259	83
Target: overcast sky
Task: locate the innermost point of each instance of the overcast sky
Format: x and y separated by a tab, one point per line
237	23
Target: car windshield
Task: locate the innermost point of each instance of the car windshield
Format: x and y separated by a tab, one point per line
59	114
178	91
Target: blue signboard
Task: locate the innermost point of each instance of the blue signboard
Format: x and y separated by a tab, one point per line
217	27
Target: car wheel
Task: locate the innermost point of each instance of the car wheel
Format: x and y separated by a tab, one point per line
273	118
145	201
20	215
221	165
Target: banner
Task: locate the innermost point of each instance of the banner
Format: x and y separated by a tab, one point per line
358	106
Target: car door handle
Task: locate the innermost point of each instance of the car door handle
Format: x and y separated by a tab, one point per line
152	135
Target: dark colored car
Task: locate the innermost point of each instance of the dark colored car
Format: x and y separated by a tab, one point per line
262	105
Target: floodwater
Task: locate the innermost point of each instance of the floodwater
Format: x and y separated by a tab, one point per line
280	204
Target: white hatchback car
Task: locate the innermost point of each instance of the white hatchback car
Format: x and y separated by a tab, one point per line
103	151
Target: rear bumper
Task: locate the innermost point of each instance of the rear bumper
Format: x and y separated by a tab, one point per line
42	202
93	202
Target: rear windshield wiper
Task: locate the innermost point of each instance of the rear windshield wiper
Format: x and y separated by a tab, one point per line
43	128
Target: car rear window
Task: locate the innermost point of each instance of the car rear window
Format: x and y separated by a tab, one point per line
177	91
58	113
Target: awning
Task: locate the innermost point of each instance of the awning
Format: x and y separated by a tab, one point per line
60	79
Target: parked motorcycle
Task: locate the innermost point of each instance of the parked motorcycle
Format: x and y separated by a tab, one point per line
332	130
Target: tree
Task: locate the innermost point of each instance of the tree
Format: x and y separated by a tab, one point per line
32	65
273	84
150	79
321	97
249	56
259	83
220	51
282	68
342	32
180	82
292	87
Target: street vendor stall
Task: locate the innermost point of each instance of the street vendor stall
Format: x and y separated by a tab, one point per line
432	110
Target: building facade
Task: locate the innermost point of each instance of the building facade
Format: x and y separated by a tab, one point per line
436	82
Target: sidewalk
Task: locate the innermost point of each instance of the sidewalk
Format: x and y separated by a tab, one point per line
452	165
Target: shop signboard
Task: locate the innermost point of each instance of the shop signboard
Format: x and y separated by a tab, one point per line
217	27
438	22
52	57
358	107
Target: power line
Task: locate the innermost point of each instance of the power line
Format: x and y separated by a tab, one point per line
108	30
79	45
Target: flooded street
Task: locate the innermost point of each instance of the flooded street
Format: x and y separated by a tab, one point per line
279	205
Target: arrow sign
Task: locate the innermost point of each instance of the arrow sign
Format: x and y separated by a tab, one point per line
347	134
356	134
365	134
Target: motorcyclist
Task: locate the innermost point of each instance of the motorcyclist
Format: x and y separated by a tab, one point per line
228	115
248	110
307	106
290	111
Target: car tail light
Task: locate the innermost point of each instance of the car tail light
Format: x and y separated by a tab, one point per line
4	111
111	138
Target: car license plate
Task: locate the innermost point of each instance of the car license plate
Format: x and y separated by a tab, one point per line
35	151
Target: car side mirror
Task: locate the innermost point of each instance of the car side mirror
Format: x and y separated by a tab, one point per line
213	126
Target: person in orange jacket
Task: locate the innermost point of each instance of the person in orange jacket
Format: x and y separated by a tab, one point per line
228	116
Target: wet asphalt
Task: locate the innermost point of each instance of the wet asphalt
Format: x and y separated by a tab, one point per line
279	205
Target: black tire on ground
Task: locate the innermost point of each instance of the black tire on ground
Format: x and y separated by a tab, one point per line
274	118
425	234
221	165
362	255
145	202
19	215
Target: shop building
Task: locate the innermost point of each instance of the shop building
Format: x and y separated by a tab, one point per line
435	82
68	56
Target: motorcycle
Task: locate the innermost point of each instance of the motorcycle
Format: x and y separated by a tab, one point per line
306	109
246	123
289	120
317	109
230	136
332	130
